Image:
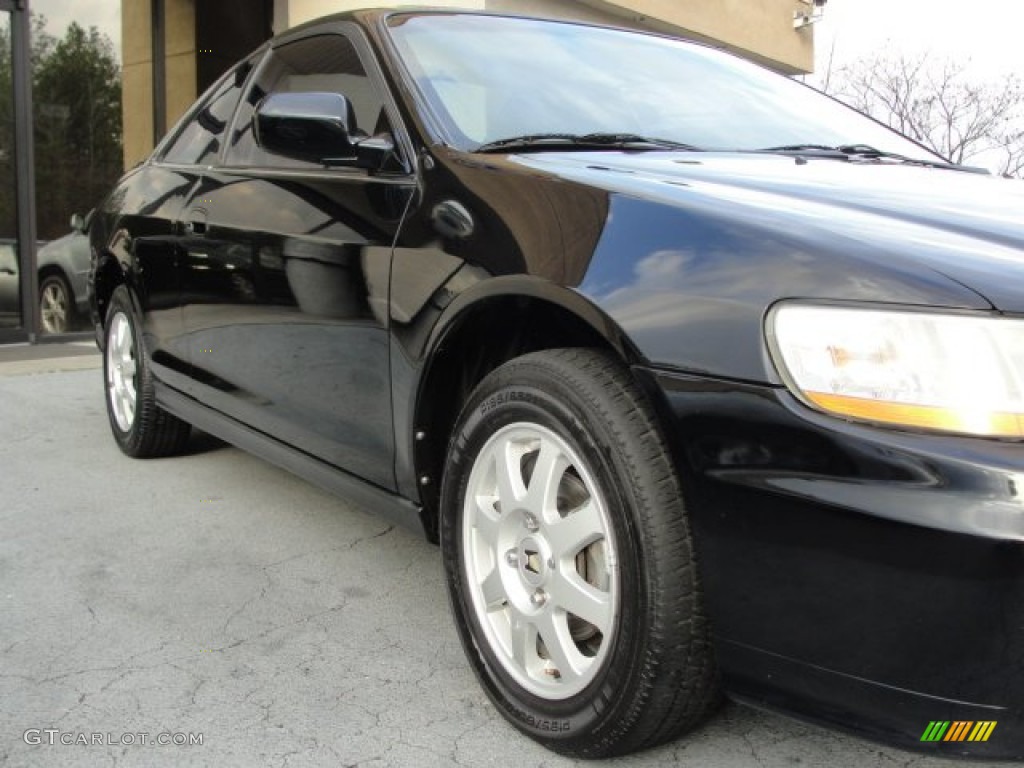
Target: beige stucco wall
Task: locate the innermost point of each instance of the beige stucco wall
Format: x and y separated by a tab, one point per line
136	80
761	27
181	57
137	70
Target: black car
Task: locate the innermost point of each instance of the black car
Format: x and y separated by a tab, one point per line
704	382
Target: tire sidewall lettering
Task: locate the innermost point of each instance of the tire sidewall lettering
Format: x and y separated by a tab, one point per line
542	718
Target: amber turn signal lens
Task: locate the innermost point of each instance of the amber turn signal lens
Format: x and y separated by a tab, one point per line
991	423
961	373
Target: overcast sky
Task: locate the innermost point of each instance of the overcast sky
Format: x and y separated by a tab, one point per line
103	14
984	34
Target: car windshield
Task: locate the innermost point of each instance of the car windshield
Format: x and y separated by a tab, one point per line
490	78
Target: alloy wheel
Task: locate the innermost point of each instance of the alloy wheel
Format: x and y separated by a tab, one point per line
121	371
53	307
540	560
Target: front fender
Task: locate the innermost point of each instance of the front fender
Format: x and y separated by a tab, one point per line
519	287
689	277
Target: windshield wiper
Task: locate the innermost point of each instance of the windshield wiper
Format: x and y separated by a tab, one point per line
582	141
871	153
803	148
867	152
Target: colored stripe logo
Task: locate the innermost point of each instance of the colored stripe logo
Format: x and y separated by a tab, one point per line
958	730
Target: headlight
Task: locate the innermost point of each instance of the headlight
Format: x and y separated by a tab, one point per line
915	369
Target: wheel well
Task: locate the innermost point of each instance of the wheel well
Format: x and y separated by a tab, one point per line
50	270
486	336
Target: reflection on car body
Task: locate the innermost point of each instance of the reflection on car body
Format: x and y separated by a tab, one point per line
690	405
63	266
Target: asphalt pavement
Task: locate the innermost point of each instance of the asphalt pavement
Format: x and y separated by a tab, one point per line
214	598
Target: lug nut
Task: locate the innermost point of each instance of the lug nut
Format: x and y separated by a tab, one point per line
538	598
512	558
531	524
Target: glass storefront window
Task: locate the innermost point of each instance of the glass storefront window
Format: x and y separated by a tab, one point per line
10	304
78	146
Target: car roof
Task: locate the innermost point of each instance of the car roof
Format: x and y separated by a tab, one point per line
370	17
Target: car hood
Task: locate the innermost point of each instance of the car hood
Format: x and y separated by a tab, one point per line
967	227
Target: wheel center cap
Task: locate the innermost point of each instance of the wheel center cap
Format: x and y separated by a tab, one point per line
534	561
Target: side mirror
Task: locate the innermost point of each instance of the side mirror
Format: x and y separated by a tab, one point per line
314	127
77	223
376	153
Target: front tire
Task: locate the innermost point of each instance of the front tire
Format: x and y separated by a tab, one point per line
569	560
55	305
141	428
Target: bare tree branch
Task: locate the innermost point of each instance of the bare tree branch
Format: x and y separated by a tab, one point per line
938	105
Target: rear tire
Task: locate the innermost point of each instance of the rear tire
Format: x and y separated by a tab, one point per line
141	428
569	559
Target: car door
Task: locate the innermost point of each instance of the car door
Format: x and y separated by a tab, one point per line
138	224
287	269
135	229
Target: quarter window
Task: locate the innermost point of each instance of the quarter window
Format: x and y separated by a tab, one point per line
200	141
